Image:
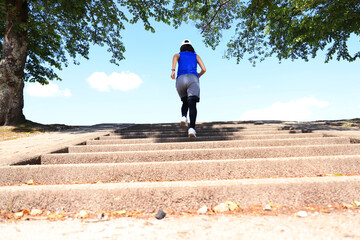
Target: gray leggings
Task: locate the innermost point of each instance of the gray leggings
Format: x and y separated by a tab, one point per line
188	88
187	85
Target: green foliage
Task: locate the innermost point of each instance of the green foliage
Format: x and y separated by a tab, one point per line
65	29
220	13
287	29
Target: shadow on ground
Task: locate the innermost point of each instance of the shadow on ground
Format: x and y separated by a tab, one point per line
33	127
229	130
173	132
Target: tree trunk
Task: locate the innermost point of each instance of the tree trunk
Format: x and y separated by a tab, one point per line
12	64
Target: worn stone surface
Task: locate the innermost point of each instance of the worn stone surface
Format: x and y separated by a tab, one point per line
29	148
283	181
322	226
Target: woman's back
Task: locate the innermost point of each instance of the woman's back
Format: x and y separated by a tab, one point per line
187	64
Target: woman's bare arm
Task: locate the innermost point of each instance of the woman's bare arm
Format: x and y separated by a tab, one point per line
201	64
174	62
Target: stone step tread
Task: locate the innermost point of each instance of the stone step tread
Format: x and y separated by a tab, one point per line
202	125
209	144
175	130
205	138
199	134
183	132
320	146
183	195
182	170
202	154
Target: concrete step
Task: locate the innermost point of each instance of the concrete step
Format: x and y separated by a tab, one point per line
206	132
184	133
162	126
209	144
183	195
200	139
182	170
200	128
202	154
158	166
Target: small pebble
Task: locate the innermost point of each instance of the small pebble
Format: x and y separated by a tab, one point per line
301	214
36	212
83	214
160	215
30	182
19	215
268	208
232	205
222	207
202	210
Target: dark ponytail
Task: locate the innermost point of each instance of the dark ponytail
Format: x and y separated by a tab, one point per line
187	48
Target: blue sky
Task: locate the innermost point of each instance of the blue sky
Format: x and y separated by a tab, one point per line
140	90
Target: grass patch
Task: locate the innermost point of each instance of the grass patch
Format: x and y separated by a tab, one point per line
355	123
349	125
355	120
29	128
32	127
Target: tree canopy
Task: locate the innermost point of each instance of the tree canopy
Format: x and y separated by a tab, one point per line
287	29
65	29
59	31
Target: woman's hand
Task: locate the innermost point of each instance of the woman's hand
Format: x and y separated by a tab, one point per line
174	62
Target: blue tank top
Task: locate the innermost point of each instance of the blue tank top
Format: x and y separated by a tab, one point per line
187	64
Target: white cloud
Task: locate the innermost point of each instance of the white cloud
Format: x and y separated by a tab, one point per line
123	81
297	110
49	90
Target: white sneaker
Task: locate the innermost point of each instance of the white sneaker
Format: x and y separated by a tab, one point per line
183	122
192	132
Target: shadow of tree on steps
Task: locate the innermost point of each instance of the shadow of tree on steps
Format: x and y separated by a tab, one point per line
173	132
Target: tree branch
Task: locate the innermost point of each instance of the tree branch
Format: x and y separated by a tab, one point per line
217	11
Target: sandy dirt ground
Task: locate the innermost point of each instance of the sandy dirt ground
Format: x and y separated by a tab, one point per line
344	225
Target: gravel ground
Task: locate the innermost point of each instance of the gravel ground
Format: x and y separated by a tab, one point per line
339	225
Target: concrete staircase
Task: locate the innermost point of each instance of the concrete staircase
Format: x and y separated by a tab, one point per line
151	166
